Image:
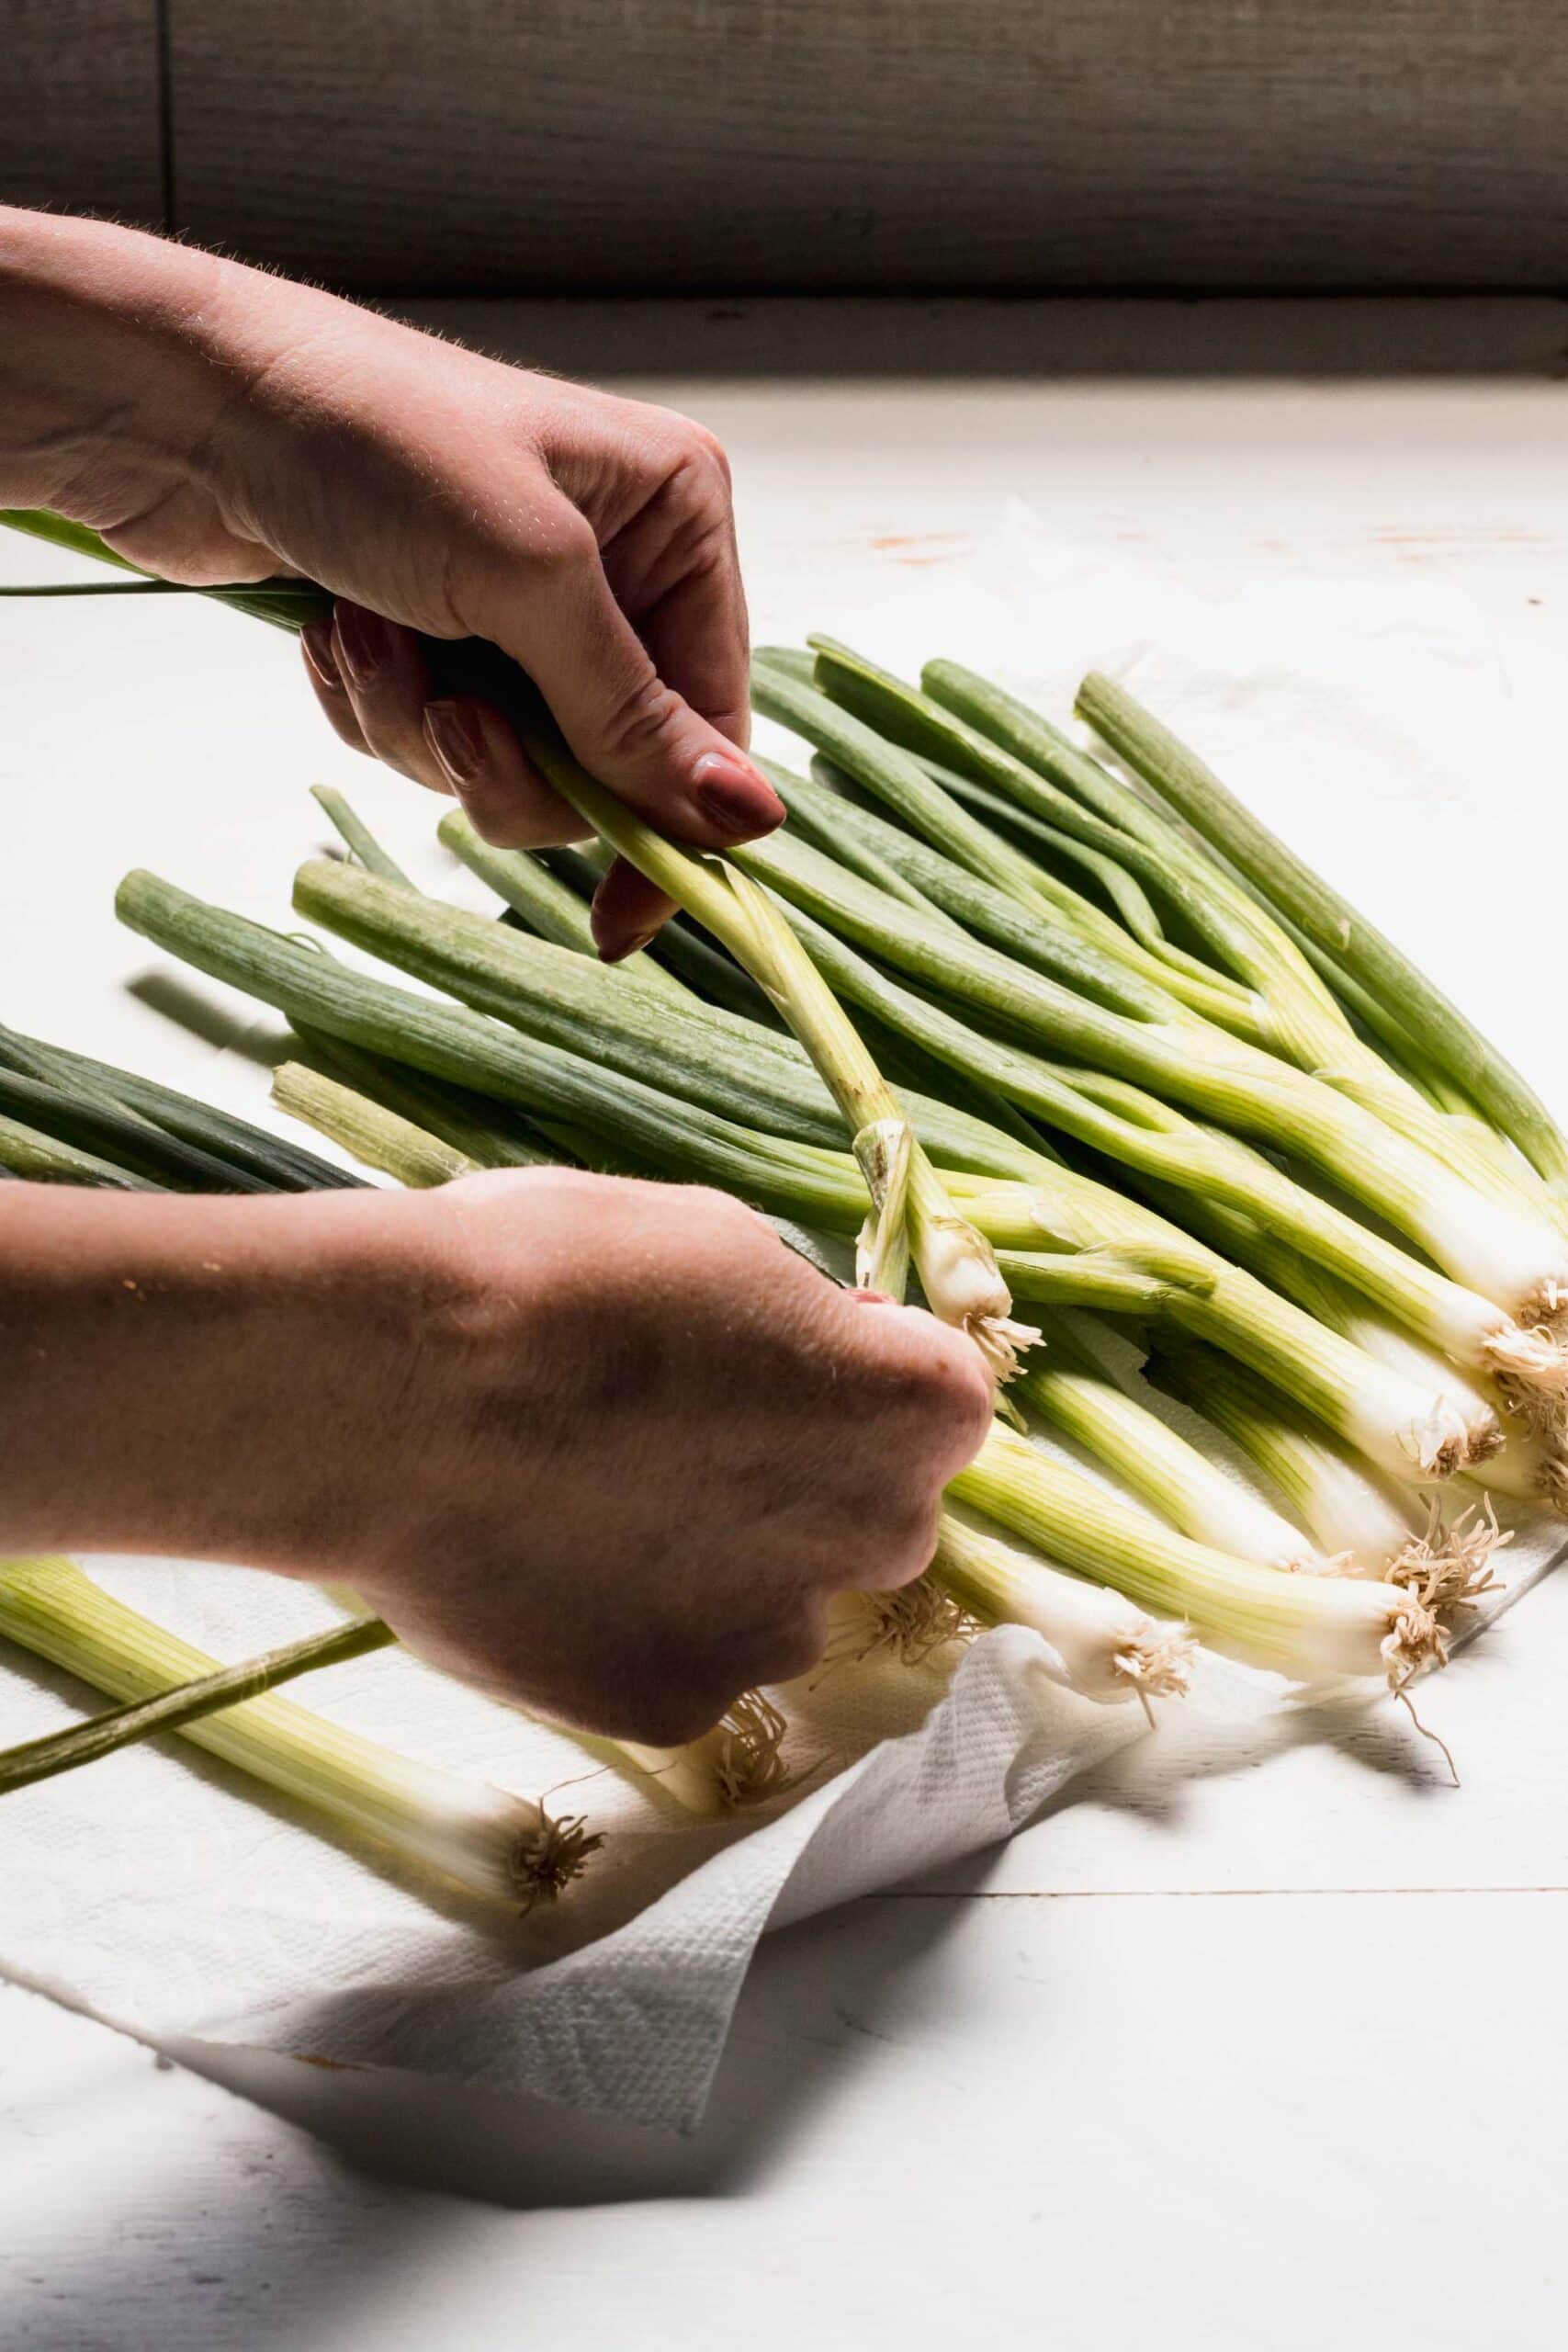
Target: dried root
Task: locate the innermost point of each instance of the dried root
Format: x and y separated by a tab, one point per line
913	1623
1449	1567
1413	1643
1001	1342
1551	1482
1530	1362
1156	1663
545	1863
747	1763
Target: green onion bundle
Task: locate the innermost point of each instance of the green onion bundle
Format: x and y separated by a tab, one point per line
1138	1060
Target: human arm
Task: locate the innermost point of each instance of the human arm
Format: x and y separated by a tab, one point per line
604	1447
217	423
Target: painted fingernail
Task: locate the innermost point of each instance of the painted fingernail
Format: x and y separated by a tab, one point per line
737	802
317	640
361	642
618	950
455	736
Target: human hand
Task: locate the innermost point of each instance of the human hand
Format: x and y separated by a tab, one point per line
438	494
644	1444
604	1448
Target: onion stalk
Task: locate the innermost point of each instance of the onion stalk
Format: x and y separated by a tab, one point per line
1439	1029
956	1267
484	1840
1097	1643
1068	1388
1364	1524
1302	1626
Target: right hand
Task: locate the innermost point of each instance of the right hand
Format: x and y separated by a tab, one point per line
615	1445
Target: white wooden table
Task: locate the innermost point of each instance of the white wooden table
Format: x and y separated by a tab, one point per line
1240	2055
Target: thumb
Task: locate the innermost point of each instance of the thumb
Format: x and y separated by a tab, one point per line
669	765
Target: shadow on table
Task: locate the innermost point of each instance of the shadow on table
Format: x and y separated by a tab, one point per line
242	2251
813	2010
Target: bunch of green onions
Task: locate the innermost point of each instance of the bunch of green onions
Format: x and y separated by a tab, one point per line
1022	1020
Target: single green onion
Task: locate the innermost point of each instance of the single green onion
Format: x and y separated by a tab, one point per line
63	1751
358	836
1097	1643
377	1137
484	1840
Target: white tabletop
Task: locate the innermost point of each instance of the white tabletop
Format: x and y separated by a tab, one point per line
1242	2053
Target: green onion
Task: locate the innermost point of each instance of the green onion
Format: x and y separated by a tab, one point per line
957	1270
128	1140
484	1840
375	1137
281	1165
1068	1388
545	905
287	604
358	836
1388	976
820	1187
1364	1524
63	1751
1302	1626
479	1130
704	969
1490	1245
1047	907
1098	1643
39	1159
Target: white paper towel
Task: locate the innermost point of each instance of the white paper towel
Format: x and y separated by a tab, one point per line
152	1892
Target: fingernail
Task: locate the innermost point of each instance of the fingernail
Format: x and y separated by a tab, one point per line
618	952
455	736
737	802
361	642
317	640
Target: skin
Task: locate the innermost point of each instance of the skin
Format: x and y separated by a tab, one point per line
601	1446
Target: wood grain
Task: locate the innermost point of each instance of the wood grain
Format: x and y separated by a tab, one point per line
696	145
80	124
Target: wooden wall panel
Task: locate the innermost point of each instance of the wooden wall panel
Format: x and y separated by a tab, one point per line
835	144
79	110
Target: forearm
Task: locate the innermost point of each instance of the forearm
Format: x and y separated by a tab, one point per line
96	357
164	1386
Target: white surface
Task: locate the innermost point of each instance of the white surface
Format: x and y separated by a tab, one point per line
1234	2081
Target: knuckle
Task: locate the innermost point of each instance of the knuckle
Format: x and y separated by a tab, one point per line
708	457
563	543
639	719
